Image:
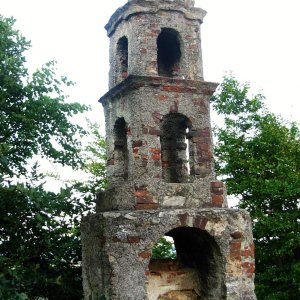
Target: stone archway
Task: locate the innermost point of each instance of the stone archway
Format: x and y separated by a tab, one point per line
197	273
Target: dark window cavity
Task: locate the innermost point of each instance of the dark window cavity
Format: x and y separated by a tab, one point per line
122	58
168	52
176	154
121	149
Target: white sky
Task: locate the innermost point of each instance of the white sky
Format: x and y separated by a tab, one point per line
256	39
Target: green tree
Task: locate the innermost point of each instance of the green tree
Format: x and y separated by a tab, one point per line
40	250
34	114
163	249
40	245
258	156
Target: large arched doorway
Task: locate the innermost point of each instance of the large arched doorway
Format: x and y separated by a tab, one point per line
196	273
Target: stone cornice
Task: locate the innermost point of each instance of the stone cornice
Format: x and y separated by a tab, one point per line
177	85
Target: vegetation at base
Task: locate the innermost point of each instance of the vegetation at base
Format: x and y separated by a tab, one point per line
258	156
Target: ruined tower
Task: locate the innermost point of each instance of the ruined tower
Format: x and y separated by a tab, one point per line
160	169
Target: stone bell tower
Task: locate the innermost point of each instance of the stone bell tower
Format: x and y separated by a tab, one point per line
160	169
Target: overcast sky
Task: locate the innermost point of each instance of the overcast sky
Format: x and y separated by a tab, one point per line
258	40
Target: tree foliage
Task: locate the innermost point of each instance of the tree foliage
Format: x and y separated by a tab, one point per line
40	246
34	114
40	252
258	155
163	249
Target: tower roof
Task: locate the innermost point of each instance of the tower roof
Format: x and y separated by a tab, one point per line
133	7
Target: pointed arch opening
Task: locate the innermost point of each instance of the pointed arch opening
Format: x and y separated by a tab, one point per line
176	148
168	52
120	149
122	58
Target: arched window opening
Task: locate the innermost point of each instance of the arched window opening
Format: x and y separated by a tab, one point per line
122	57
121	150
168	52
175	145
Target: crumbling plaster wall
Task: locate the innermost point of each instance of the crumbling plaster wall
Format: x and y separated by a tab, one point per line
124	241
167	279
150	100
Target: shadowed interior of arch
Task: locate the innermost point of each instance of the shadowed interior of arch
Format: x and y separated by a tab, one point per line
121	149
197	272
122	57
176	153
168	52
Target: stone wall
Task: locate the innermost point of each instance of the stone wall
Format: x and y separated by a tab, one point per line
141	24
117	251
145	186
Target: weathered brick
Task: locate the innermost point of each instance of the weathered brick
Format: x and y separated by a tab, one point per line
156	157
248	251
133	239
235	249
183	219
217	184
178	89
142	206
248	268
200	222
143	196
236	235
217	200
162	97
200	139
145	254
138	143
154	131
203	146
217	191
155	150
